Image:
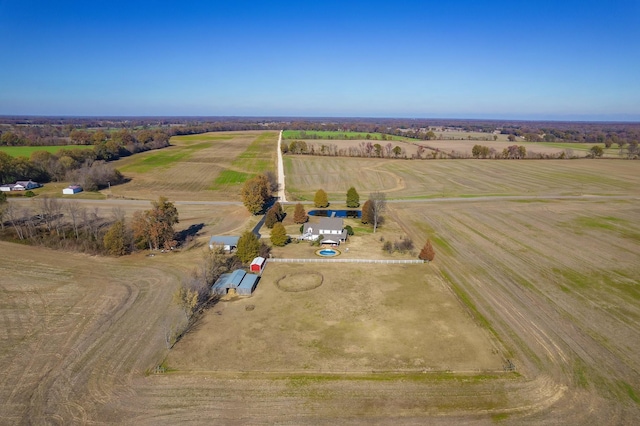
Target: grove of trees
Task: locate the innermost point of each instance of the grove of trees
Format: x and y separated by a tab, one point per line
153	228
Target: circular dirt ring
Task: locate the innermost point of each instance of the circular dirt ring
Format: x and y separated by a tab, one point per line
302	281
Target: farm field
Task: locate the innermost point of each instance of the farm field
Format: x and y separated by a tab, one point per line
424	179
461	147
211	166
26	151
549	285
335	135
558	282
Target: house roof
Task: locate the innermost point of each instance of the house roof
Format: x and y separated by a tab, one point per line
25	182
225	240
332	223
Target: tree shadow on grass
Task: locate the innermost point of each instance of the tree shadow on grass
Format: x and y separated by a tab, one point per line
191	231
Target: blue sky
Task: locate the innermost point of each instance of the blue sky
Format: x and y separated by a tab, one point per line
542	59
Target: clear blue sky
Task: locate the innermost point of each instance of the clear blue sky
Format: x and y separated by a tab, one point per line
563	59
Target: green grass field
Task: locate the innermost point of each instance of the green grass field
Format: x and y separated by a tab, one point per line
163	158
26	151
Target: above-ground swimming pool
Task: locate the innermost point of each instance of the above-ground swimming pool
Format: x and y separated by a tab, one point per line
327	252
336	213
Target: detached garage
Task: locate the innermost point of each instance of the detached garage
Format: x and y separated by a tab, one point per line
72	189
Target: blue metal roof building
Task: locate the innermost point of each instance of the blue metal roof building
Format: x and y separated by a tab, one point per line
239	280
247	285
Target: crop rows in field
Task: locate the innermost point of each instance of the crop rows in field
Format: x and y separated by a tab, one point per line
557	281
458	178
336	135
198	167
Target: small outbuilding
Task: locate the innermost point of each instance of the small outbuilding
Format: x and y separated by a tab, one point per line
227	242
72	189
7	187
238	280
247	285
258	264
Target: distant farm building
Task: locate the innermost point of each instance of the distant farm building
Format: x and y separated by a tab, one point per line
257	265
227	242
72	189
21	185
242	283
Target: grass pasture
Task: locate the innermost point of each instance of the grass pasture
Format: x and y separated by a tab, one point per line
210	166
361	318
423	179
26	151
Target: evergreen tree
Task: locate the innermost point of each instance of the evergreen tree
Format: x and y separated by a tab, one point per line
427	252
353	198
299	215
248	247
321	199
279	235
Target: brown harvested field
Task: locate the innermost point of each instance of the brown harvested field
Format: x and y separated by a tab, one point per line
459	147
551	285
559	283
340	318
458	178
210	166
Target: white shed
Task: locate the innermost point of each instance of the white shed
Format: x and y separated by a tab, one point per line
72	189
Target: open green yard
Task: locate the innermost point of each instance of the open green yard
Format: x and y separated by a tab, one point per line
26	151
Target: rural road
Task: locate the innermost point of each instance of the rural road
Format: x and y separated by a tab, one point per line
145	203
281	192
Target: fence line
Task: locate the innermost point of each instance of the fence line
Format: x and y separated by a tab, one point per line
278	260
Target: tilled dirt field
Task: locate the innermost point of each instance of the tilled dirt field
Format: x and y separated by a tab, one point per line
558	282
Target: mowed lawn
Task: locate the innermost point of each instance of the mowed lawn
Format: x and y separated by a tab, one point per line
210	166
458	178
26	151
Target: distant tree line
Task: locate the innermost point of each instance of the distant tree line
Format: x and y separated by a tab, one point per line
55	130
85	167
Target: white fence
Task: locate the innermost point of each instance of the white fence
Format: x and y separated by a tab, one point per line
319	260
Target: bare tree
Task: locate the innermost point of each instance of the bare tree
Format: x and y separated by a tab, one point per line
15	217
75	212
378	206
